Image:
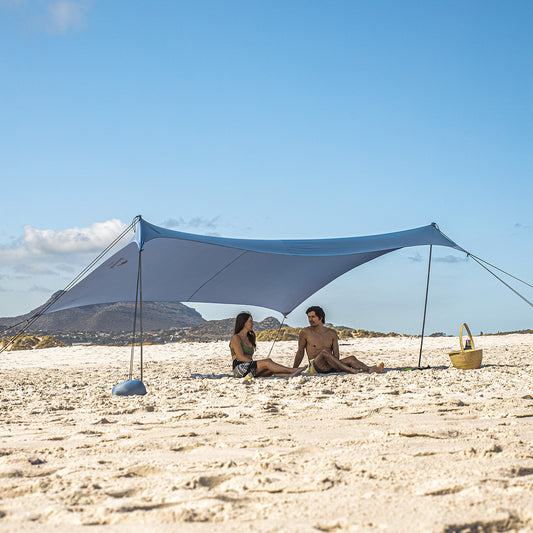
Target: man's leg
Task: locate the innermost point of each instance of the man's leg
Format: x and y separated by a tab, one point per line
325	361
353	362
378	369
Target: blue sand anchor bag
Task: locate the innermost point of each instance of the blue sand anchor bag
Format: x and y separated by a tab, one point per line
130	387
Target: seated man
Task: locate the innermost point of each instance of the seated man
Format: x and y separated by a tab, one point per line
322	347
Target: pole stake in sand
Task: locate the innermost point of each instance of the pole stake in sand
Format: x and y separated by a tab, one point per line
132	387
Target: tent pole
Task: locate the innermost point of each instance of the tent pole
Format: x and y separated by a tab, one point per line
134	386
141	308
277	334
135	317
425	307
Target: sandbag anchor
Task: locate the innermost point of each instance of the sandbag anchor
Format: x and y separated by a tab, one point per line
130	387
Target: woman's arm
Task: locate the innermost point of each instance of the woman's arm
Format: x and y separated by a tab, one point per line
237	348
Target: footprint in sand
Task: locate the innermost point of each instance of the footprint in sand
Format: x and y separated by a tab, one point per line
271	407
141	470
125	493
208	482
507	523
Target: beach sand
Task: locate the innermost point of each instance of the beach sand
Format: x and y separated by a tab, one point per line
438	450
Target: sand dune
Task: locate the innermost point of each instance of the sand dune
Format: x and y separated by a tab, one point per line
438	450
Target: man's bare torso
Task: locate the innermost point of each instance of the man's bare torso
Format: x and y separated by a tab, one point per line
318	339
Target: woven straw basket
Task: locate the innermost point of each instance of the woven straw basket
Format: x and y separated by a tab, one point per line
466	359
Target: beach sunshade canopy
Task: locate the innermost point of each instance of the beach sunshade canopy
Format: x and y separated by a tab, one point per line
276	274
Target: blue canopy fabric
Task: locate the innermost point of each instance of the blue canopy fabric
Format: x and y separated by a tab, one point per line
276	274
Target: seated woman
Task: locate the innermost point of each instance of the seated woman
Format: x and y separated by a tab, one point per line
242	348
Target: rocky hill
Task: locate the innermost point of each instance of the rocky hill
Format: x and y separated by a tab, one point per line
113	323
213	330
112	318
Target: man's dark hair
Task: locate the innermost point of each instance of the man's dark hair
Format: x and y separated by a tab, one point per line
319	312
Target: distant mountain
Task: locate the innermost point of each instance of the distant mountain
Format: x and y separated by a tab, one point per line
212	330
116	318
112	317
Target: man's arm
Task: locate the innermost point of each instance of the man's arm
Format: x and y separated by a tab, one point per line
335	344
302	341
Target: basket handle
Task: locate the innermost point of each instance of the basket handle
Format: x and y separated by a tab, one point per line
463	325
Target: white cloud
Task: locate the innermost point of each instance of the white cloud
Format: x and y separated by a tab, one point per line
55	16
416	258
11	4
76	240
66	268
38	288
451	259
520	226
47	244
196	223
34	270
65	15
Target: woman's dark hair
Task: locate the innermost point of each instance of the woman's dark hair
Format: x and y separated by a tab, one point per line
319	312
240	320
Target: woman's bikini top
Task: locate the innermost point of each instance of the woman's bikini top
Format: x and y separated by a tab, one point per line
246	350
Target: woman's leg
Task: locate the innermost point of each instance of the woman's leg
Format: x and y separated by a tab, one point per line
267	367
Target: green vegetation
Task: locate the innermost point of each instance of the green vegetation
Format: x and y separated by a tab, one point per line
291	334
359	333
30	342
138	343
509	332
284	334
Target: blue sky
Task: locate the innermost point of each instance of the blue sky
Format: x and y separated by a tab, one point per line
299	119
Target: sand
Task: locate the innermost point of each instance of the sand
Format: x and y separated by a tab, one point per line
438	450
